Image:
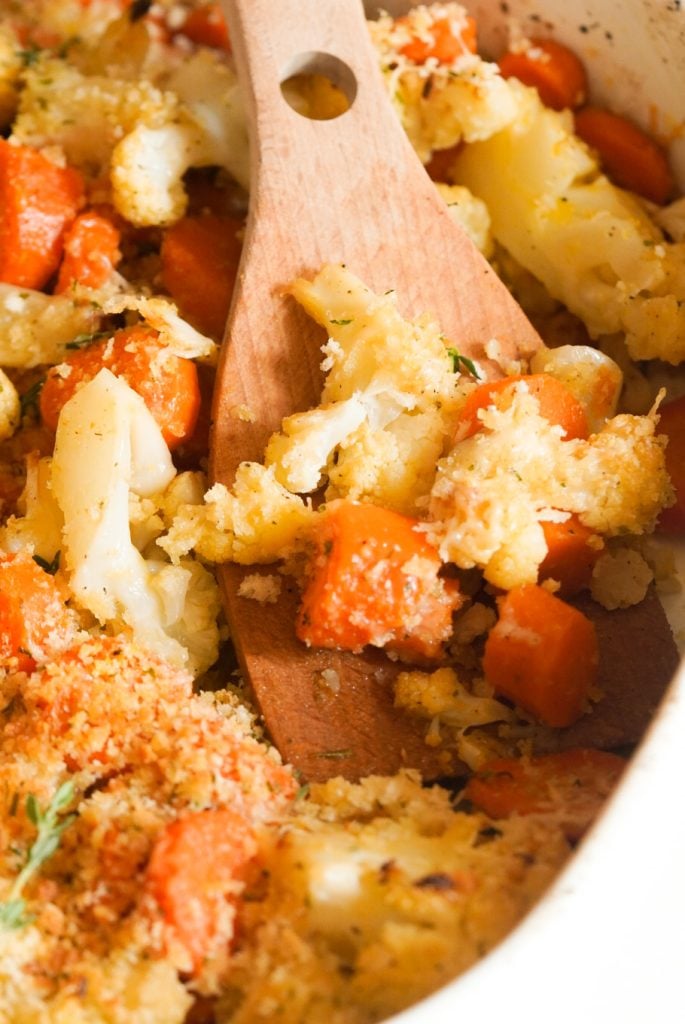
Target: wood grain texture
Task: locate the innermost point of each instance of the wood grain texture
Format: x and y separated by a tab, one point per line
351	190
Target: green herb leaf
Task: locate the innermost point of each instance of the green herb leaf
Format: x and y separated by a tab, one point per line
335	755
83	340
30	55
340	323
50	824
29	400
13	915
459	361
50	567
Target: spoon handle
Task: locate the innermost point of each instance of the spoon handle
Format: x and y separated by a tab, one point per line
348	190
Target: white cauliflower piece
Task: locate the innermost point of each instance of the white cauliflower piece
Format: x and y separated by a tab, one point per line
257	521
86	116
592	245
441	104
191	603
144	137
209	129
494	488
10	407
393	466
399	372
442	695
301	451
36	328
39	524
209	91
470	213
108	444
620	578
162	315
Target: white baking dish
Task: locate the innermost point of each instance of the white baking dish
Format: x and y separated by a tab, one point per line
607	944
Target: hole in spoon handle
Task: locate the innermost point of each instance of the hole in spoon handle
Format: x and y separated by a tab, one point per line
272	41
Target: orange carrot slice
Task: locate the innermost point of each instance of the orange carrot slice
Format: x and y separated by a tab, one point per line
557	404
629	156
543	655
551	68
91	251
572	785
374	580
38	201
200	257
192	873
206	26
446	39
34	622
572	551
167	383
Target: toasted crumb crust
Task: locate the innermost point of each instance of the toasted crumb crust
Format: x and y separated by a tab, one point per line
141	751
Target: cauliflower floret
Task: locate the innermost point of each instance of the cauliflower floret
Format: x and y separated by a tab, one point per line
191	603
209	91
620	578
470	213
145	138
441	104
108	444
300	453
394	466
149	163
36	328
162	315
389	399
257	521
10	407
86	116
39	525
441	694
494	488
592	245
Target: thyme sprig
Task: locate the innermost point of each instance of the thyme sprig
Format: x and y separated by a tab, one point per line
50	824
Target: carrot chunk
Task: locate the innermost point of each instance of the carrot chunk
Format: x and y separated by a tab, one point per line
629	156
572	551
200	257
374	580
445	40
551	68
38	201
572	785
207	26
167	383
91	251
672	424
194	873
34	622
557	404
542	654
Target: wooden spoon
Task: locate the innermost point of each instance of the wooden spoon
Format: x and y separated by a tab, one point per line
348	190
